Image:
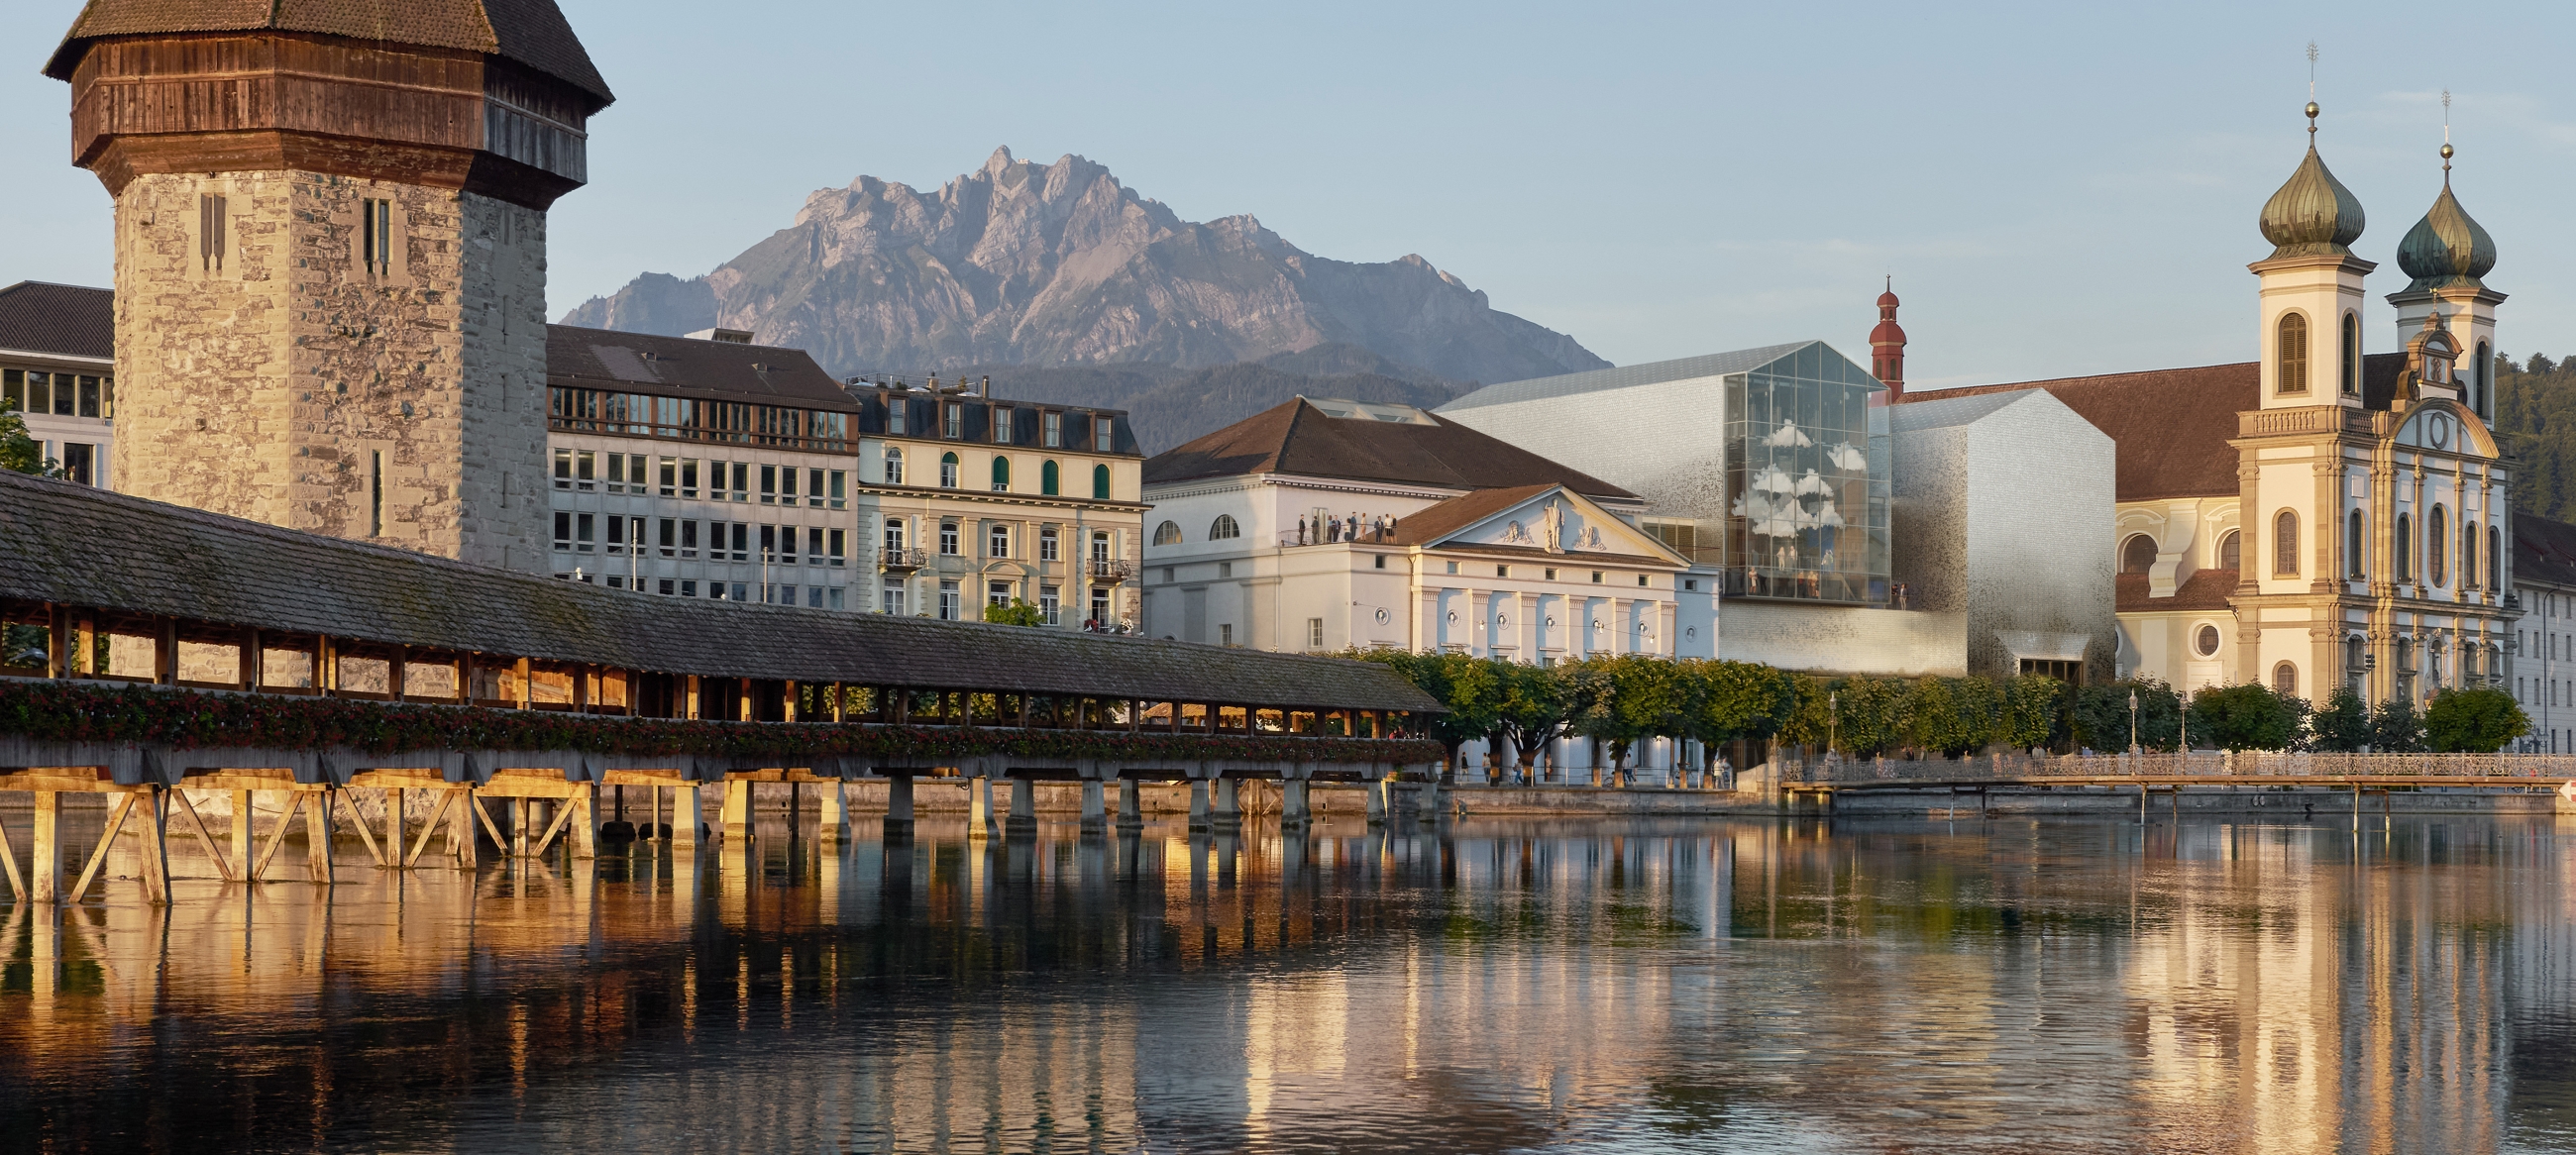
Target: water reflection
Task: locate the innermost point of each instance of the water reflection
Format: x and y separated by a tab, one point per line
1629	986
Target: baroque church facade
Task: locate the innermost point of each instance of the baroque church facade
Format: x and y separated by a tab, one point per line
2321	516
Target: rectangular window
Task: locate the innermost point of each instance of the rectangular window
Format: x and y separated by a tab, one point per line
1001	426
740	592
787	486
894	427
894	533
839	553
1046	544
666	588
769	484
563	532
688	539
13	389
1225	634
670	537
80	463
1502	571
211	222
769	545
956	422
742	481
741	541
1100	607
948	538
1050	605
814	488
669	468
1453	567
376	244
616	478
814	545
563	469
1052	426
890	599
1225	569
688	589
997	541
40	394
585	470
89	397
1103	435
1314	633
840	488
584	532
997	593
833	600
950	607
688	477
617	536
1381	563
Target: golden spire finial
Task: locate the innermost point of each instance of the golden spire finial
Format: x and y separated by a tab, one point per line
2312	93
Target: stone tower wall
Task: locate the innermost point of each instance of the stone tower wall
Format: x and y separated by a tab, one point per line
295	383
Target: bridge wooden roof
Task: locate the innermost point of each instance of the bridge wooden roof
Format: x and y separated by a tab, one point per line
70	544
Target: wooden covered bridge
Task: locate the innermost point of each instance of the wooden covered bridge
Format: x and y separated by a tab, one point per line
153	651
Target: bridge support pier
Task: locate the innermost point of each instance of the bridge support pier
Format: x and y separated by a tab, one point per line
46	888
1023	823
317	835
1375	790
1229	808
1095	809
898	818
154	801
1131	810
241	834
585	825
979	806
737	808
836	817
1294	813
1198	806
685	819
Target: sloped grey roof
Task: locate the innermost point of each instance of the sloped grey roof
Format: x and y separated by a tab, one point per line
1951	411
1627	376
69	544
689	367
67	320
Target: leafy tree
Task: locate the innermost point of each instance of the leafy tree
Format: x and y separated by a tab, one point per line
2343	727
1468	688
1532	709
2252	716
2102	715
1953	716
1730	701
2395	728
1626	698
2033	707
1809	717
20	453
1871	715
2477	721
1018	613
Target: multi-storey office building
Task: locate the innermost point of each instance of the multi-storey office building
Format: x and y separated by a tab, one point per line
701	468
967	500
2544	639
58	369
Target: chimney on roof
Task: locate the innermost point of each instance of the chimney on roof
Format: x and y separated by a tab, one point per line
728	336
1887	345
986	390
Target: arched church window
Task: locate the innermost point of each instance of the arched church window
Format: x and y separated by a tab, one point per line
2435	546
2469	555
2351	375
2404	550
2205	641
1168	533
2285	679
2293	355
2138	554
2495	558
2231	551
2356	546
2356	654
1224	527
2285	545
2484	374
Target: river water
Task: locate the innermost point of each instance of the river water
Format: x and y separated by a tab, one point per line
1989	986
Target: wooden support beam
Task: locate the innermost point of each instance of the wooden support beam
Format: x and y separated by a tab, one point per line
585	835
156	845
317	838
342	798
475	804
9	862
107	838
460	830
242	842
188	806
446	801
46	885
276	834
393	797
563	814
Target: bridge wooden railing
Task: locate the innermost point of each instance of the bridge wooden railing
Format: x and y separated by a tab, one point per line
2252	765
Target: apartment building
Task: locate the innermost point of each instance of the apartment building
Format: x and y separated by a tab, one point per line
58	369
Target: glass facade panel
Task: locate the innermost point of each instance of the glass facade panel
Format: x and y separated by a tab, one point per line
1806	484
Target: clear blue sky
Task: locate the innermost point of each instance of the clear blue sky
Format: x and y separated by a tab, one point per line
2058	188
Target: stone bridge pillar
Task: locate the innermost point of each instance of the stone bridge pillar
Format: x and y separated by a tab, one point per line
1229	811
898	819
1024	808
1131	809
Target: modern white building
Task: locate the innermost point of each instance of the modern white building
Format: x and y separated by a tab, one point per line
2544	640
1320	525
58	368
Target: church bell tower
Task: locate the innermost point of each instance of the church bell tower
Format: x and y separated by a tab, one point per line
2311	289
331	256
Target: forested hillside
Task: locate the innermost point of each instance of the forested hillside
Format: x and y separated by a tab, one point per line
2536	414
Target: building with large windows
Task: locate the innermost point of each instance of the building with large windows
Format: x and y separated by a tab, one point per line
966	501
58	370
2543	649
1320	525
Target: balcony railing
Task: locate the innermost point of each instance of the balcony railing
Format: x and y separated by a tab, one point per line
1107	570
902	559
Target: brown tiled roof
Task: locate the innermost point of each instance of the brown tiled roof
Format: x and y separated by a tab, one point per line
2171	426
1296	437
681	367
1428	525
2207	589
69	320
2544	551
530	32
67	543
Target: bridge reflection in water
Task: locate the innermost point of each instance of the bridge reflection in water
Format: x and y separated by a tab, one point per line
1482	986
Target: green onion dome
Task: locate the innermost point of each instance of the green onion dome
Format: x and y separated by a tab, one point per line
2446	249
2313	215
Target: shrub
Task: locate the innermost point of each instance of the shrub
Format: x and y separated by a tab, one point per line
2395	728
2478	721
2247	717
2101	715
2343	727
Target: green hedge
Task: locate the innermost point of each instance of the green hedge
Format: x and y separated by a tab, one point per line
54	711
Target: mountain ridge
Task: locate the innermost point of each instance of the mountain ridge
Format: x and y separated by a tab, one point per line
1060	265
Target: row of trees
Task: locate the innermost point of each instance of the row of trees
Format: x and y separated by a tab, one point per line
1619	701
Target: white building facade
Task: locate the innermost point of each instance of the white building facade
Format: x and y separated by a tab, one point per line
58	370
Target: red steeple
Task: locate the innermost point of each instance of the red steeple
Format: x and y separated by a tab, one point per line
1887	345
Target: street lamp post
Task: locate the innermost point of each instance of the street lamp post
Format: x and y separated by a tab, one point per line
2133	721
